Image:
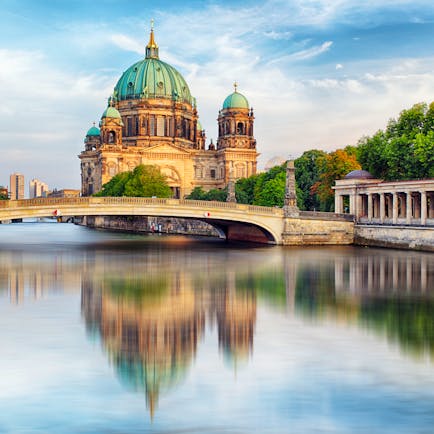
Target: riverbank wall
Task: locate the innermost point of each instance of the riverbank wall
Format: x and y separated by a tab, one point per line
318	228
398	237
144	224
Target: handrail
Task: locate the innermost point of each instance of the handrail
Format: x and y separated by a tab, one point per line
139	201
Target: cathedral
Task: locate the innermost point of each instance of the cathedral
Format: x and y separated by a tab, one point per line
152	119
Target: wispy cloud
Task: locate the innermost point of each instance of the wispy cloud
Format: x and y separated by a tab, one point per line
306	54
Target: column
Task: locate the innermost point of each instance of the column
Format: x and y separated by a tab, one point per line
339	203
382	208
408	207
423	207
369	207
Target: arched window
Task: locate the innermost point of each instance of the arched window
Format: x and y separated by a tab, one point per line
112	137
226	127
240	128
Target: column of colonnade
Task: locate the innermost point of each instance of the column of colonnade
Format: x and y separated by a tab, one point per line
410	206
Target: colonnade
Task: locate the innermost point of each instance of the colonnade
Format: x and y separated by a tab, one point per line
373	201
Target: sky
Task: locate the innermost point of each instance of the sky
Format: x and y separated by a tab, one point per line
320	74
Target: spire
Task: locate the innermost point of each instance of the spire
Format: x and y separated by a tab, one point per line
235	86
152	47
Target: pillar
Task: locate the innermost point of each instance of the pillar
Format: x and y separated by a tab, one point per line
369	207
339	203
290	208
423	207
382	208
408	208
231	189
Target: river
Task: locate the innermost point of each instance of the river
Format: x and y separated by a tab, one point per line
112	333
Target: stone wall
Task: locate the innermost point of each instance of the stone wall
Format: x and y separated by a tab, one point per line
150	224
317	231
400	237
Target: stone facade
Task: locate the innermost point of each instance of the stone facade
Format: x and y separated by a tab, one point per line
153	120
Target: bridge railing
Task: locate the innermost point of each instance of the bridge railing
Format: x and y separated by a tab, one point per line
139	201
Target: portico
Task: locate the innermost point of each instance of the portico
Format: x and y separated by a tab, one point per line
375	201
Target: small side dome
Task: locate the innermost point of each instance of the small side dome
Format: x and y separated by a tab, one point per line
359	174
93	131
235	100
111	112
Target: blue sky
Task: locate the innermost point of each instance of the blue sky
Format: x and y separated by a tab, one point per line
319	73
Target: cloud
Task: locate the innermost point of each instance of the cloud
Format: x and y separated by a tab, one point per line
306	54
339	66
127	43
275	35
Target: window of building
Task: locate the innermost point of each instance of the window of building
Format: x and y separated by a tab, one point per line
137	129
160	126
152	125
129	127
212	173
240	128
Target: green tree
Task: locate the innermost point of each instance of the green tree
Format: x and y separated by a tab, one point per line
143	181
308	169
404	150
216	194
272	191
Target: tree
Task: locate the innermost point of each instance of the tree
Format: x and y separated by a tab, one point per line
404	150
337	164
216	194
308	169
143	181
3	196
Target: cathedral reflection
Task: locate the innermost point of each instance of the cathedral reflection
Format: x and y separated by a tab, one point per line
150	326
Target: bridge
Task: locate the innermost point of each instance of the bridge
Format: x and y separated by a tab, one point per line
236	221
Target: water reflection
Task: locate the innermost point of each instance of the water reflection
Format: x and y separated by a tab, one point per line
151	305
150	325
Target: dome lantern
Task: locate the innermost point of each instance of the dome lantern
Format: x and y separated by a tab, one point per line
152	47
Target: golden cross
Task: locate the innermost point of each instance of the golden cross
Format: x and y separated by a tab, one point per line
235	86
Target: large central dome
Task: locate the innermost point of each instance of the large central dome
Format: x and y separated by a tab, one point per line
152	78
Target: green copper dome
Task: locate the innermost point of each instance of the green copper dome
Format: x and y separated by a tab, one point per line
93	131
236	100
111	112
152	78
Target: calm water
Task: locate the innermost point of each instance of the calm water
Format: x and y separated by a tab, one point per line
111	333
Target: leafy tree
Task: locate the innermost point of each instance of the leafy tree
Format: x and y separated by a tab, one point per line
404	150
143	181
308	169
272	191
336	165
216	194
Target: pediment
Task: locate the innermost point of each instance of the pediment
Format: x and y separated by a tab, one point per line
165	148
